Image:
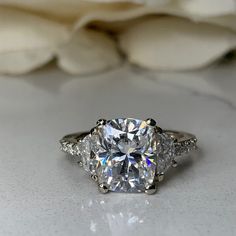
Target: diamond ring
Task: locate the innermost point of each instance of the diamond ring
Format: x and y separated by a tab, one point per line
126	154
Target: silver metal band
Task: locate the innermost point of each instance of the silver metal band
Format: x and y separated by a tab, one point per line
183	142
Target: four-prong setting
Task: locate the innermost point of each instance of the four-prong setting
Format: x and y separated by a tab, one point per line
126	155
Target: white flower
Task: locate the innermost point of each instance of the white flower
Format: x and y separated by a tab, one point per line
89	36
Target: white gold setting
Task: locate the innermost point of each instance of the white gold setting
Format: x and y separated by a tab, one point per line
126	154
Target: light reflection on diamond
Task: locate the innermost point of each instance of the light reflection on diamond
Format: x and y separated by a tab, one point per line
126	155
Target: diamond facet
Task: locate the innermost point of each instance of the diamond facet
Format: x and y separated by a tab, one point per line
166	152
125	154
84	147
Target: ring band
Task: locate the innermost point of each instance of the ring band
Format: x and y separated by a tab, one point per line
128	155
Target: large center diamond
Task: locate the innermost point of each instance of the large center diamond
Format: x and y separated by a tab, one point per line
125	155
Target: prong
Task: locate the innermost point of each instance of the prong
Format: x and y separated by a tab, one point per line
94	177
174	164
93	130
151	122
103	188
160	177
151	189
101	122
159	130
174	139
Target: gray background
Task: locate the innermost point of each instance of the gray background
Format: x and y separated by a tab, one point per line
43	193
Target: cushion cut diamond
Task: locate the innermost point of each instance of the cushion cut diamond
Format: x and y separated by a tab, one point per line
125	154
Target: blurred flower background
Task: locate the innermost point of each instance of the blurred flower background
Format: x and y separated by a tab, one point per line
88	36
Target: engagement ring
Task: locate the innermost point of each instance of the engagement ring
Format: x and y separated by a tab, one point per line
126	154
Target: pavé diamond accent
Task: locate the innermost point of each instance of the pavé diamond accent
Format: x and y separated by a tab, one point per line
125	155
69	148
185	147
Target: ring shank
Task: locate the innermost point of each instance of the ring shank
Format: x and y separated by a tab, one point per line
75	137
180	136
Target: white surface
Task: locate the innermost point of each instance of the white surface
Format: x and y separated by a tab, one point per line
43	193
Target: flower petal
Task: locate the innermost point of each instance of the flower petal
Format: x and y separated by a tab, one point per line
66	9
123	14
174	43
27	41
23	62
23	31
228	21
208	7
88	51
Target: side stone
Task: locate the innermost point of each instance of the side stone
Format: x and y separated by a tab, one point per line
84	147
166	152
